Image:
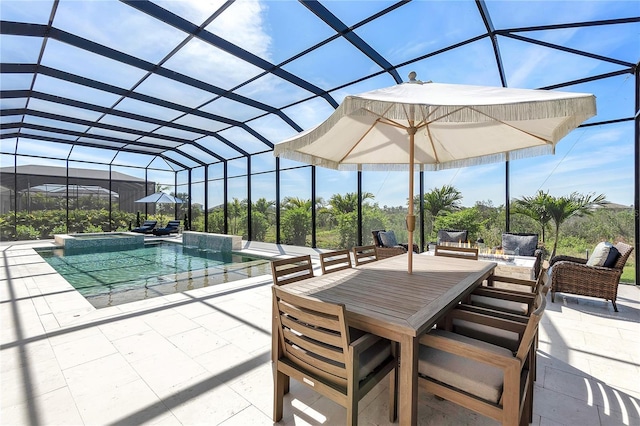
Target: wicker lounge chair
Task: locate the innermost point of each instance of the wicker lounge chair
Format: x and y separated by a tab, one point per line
572	275
385	251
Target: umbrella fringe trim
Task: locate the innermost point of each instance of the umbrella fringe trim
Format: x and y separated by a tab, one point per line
582	108
454	164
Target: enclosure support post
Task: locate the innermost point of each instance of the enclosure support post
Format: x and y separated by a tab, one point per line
636	198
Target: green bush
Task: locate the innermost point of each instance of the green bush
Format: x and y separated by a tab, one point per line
296	224
27	232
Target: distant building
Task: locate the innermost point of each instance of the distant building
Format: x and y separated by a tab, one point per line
53	181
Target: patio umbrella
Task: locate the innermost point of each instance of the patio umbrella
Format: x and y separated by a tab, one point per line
432	126
159	197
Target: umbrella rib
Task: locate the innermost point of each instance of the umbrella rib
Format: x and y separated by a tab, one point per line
381	119
359	140
513	127
384	120
433	147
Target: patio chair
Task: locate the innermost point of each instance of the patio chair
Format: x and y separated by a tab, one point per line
317	348
458	252
518	298
335	261
452	236
173	227
523	244
292	269
146	227
576	276
508	304
365	254
387	245
486	378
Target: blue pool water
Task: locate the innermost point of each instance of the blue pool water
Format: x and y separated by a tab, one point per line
109	278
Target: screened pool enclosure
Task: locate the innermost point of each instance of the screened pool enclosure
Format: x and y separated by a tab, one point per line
106	102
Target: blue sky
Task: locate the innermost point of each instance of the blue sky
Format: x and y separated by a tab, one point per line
594	159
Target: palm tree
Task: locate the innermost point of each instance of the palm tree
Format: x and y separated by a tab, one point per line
535	208
562	208
263	206
295	202
347	203
447	198
235	209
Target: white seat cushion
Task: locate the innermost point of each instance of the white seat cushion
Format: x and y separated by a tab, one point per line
496	336
476	378
501	304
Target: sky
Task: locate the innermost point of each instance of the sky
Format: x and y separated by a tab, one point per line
595	159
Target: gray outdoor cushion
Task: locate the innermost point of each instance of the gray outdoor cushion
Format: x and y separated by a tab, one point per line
376	237
496	336
502	304
523	245
388	239
483	380
371	358
452	236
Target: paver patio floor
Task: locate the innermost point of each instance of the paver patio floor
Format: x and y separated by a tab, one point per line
203	357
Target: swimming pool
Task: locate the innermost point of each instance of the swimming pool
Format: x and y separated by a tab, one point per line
109	278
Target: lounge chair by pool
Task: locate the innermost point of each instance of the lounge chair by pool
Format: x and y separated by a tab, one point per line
171	228
146	228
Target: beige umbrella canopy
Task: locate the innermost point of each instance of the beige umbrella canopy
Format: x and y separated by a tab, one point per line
432	126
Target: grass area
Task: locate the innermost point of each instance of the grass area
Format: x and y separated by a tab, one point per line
628	274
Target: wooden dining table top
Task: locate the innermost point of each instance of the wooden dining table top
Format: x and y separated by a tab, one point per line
383	298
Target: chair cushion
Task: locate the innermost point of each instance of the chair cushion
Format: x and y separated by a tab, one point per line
376	237
496	336
452	236
388	239
502	304
522	245
482	380
371	358
605	254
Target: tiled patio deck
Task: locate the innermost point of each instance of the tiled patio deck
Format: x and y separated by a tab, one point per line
203	357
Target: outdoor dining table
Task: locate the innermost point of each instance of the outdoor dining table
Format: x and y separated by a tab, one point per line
384	299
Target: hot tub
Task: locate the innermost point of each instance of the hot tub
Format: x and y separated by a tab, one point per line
100	241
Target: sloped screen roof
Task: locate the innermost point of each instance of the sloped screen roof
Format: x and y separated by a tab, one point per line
195	82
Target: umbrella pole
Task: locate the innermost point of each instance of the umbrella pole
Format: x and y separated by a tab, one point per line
411	219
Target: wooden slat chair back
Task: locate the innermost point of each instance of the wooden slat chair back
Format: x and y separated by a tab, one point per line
365	254
335	261
290	270
458	252
317	348
517	298
488	379
503	303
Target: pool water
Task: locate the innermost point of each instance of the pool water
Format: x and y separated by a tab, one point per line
109	278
